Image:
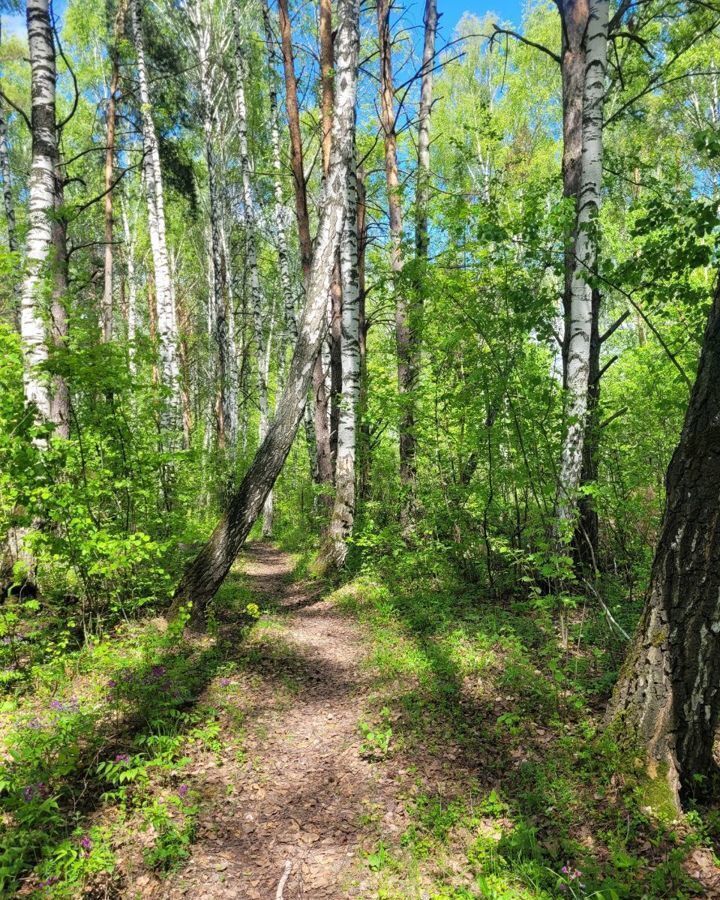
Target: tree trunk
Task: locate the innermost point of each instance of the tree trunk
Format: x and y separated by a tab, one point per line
165	301
586	252
227	416
281	234
422	196
106	312
251	256
131	290
7	184
573	27
343	514
668	695
42	202
207	571
403	330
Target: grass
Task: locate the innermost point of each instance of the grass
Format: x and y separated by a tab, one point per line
518	792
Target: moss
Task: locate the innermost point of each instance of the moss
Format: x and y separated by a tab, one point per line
655	792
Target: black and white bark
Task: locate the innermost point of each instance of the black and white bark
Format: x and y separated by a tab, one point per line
42	202
343	513
668	696
8	203
585	260
167	330
205	574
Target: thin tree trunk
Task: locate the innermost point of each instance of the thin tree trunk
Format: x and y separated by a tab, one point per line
586	254
42	202
106	314
226	417
422	197
668	696
258	300
131	290
165	301
322	470
403	331
343	514
206	573
7	184
281	235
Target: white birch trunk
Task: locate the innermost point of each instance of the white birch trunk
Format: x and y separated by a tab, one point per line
41	205
207	572
586	254
343	514
131	288
7	184
423	150
167	330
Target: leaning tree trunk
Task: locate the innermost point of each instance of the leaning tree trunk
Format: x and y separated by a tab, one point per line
403	331
586	252
164	299
668	695
207	571
42	191
343	514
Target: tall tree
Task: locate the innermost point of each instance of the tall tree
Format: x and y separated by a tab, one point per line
106	315
167	331
404	337
585	254
668	695
45	233
343	513
205	574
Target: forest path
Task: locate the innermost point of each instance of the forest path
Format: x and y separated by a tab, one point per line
295	796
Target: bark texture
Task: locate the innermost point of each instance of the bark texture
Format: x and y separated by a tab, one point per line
343	513
42	189
668	695
167	333
207	571
585	259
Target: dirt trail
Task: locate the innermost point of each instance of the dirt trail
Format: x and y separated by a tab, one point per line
298	798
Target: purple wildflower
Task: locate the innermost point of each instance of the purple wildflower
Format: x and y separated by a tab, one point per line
224	682
122	757
158	671
112	683
182	790
86	844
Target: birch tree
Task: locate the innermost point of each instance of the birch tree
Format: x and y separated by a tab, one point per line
167	332
205	574
343	513
585	255
42	202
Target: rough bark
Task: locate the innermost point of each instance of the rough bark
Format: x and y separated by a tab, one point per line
585	253
42	201
343	513
668	695
132	310
403	330
207	571
164	298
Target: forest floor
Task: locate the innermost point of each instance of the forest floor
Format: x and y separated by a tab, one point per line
391	738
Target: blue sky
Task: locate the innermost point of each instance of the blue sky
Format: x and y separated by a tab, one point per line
451	10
